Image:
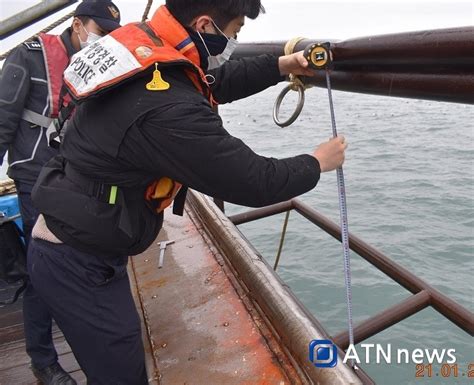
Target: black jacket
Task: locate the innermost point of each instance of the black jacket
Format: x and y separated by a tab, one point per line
23	84
130	136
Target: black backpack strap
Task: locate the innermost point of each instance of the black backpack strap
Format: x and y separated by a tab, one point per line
18	291
64	114
179	201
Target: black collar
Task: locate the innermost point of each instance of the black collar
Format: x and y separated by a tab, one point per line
66	38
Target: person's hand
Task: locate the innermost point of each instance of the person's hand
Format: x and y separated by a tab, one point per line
295	64
330	155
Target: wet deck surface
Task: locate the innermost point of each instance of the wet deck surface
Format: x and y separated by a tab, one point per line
14	362
197	330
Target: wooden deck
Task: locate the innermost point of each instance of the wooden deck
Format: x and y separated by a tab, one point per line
198	327
14	362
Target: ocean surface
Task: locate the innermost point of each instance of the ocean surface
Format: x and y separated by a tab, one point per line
410	185
409	179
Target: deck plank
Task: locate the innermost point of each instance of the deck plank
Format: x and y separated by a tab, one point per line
14	362
13	354
22	375
14	317
11	334
11	314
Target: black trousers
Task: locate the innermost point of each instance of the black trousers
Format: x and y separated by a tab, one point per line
91	301
37	319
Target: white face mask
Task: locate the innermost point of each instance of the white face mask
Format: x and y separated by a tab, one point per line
218	60
91	37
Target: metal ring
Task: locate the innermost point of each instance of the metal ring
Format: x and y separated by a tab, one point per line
299	106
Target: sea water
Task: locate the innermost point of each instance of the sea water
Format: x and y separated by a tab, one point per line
409	174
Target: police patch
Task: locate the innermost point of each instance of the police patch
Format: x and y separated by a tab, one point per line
32	45
99	65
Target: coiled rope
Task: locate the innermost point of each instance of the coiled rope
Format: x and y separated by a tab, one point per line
296	84
295	81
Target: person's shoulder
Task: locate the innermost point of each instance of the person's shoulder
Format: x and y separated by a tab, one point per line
32	45
29	49
21	54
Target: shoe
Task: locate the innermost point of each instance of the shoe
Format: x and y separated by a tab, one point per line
53	375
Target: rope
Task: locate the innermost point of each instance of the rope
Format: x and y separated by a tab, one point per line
295	81
295	84
45	30
282	240
147	10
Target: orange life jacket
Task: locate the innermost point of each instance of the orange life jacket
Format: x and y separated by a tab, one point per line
55	61
128	51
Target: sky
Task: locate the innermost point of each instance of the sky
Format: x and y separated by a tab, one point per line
284	19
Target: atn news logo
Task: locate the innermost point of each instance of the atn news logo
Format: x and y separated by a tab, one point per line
323	353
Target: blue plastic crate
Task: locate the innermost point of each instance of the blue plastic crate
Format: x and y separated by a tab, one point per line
9	206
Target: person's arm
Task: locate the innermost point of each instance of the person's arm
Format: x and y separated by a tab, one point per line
188	144
238	79
14	87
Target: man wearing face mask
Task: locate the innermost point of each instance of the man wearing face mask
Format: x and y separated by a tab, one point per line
144	132
30	103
